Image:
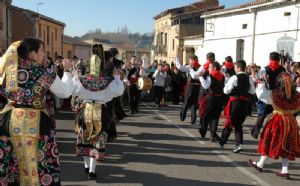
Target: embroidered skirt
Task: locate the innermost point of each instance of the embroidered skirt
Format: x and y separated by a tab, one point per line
280	137
19	142
91	147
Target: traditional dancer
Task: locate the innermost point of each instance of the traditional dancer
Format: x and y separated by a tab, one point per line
212	103
268	75
92	119
238	87
280	137
193	88
27	130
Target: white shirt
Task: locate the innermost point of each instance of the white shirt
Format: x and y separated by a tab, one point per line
205	82
63	88
114	89
232	82
187	69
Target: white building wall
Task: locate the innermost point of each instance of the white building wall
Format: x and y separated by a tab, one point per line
222	33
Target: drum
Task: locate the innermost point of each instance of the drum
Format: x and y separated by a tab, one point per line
144	83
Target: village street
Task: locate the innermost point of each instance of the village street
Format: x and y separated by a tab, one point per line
155	148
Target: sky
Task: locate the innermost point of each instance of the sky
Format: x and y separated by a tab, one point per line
81	16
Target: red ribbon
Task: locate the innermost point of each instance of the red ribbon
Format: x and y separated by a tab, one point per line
274	65
227	109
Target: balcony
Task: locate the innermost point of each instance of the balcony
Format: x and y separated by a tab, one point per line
161	49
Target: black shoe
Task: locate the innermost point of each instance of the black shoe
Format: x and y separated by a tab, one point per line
92	176
254	132
86	170
283	175
252	164
238	148
202	132
220	141
182	116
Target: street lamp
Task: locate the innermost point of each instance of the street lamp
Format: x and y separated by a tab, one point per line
37	6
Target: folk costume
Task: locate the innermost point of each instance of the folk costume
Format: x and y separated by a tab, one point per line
238	87
192	92
268	76
92	120
212	103
28	149
280	137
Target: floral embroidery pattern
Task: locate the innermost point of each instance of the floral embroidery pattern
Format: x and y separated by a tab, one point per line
93	84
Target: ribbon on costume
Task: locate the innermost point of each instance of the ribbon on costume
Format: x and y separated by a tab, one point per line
228	123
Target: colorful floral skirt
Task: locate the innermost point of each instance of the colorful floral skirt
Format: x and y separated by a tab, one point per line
94	147
280	137
47	154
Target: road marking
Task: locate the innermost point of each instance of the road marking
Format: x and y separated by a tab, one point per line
219	155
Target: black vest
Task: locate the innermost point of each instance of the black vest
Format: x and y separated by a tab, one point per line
273	76
243	85
216	86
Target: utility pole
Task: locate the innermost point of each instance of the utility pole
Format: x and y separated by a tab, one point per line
37	6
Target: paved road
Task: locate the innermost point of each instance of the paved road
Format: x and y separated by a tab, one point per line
156	148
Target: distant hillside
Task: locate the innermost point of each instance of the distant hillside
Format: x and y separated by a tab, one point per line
122	36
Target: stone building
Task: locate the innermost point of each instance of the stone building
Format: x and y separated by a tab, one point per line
75	47
172	25
5	24
26	23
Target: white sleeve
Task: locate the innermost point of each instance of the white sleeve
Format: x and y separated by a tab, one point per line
117	86
232	82
180	66
155	74
201	70
205	83
193	74
63	88
263	93
252	86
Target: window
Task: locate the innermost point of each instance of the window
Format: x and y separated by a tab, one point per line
44	36
40	31
166	39
244	26
48	54
55	34
173	44
55	55
48	35
287	13
240	44
69	54
197	20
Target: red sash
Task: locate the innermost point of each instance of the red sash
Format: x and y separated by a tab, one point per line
203	102
228	123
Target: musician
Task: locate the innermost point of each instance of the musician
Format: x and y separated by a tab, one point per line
267	78
132	80
159	76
